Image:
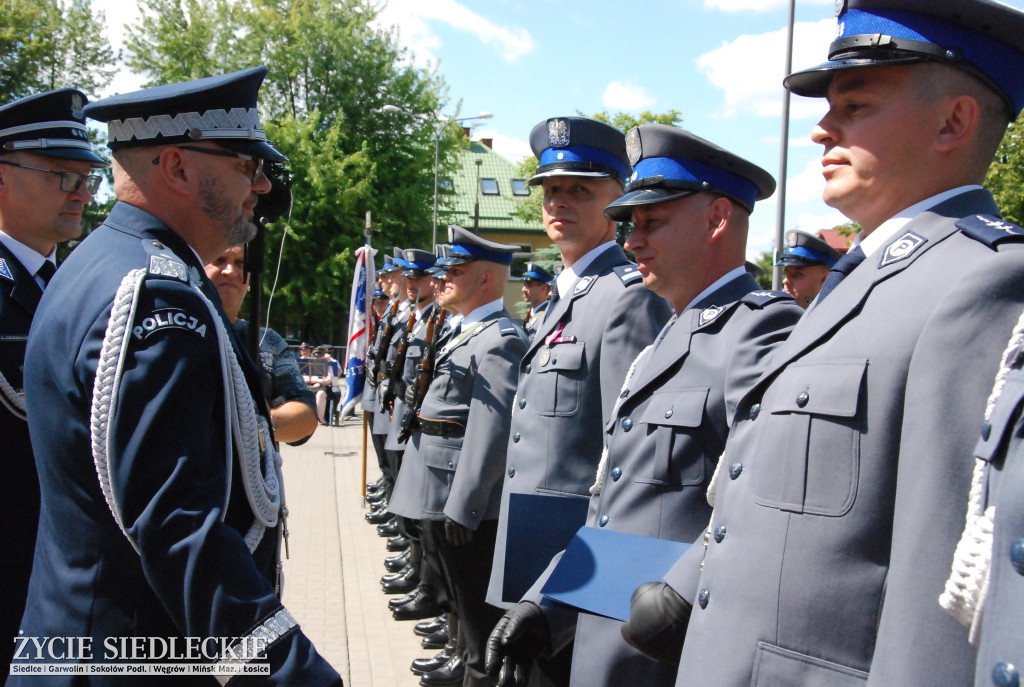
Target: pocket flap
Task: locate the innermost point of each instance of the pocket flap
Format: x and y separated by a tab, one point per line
676	407
440	456
827	388
565	356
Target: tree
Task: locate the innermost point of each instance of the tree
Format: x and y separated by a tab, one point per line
331	74
1005	178
766	261
50	44
529	207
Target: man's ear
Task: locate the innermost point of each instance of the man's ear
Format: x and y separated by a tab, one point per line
961	118
718	214
174	171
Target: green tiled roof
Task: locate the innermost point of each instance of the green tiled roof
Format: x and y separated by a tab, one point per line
497	213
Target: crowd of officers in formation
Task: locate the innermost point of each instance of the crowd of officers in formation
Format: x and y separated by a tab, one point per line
849	477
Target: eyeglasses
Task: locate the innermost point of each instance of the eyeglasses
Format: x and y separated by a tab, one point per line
224	153
69	181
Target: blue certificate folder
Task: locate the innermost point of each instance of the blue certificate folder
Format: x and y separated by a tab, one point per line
600	569
539	526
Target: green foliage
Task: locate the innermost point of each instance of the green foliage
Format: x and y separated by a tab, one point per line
331	73
850	229
766	262
51	44
1005	177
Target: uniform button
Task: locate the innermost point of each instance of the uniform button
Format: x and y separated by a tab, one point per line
451	464
522	403
704	597
668	413
616	474
735	469
511	472
1005	675
986	430
473	513
802	399
603	521
1017	556
755	410
516	437
529	368
720	533
625	392
627	424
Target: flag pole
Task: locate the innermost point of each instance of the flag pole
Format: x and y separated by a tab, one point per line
367	255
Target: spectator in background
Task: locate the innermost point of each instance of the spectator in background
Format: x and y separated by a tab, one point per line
292	408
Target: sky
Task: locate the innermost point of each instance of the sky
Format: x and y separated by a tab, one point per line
719	62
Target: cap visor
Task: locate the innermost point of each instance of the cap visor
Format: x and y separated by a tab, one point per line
622	209
813	82
537	178
76	154
793	261
254	148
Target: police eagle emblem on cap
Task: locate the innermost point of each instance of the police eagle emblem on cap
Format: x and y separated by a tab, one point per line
633	148
840	7
76	106
558	132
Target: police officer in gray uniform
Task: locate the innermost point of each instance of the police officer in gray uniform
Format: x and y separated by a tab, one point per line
839	499
452	472
569	379
690	203
806	263
536	293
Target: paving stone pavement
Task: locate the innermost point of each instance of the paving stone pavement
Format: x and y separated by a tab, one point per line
332	578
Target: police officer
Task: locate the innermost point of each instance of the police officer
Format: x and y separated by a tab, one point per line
600	318
292	406
690	203
161	491
806	263
452	472
839	498
536	289
46	179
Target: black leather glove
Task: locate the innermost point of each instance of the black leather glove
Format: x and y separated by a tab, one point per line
658	617
456	534
517	640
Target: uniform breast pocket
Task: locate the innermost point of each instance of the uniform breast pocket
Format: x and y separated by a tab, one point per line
559	379
673	419
441	460
455	376
811	455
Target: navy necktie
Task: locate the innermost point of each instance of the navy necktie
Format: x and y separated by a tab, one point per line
840	271
46	272
552	302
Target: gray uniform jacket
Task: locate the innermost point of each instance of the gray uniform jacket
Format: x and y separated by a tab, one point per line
567	389
413	352
381	418
474	382
839	502
1001	650
664	441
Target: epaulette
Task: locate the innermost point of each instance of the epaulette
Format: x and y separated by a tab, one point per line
990	230
508	327
165	264
759	299
628	273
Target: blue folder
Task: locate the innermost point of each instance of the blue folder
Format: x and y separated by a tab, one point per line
539	526
600	569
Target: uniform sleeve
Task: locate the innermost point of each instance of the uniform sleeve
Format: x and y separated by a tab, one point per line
482	458
949	379
636	318
288	384
170	482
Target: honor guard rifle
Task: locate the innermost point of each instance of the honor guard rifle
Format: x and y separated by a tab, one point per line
415	392
397	366
383	344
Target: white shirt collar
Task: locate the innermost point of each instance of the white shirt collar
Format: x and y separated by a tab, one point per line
567	279
719	283
482	312
890	227
28	258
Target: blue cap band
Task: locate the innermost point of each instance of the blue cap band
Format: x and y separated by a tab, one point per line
464	250
552	156
995	59
804	252
691	170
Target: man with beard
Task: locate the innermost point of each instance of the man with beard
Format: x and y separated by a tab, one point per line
46	179
161	497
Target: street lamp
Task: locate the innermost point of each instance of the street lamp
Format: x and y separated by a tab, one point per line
442	122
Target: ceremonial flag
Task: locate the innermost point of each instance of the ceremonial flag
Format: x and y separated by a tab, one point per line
358	333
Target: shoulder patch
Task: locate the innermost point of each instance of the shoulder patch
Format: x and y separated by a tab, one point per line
990	230
628	273
759	299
